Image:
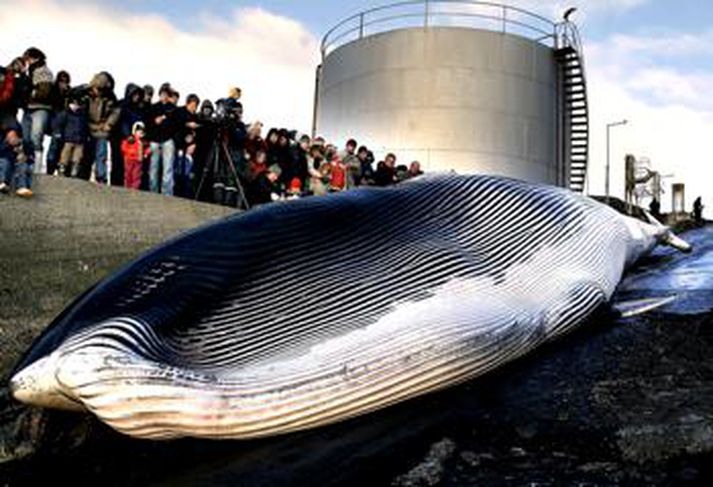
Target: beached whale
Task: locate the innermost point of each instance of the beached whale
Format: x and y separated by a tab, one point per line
304	313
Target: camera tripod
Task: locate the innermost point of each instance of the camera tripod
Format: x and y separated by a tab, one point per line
220	149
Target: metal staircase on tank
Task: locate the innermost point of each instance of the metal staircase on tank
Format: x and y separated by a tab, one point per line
575	129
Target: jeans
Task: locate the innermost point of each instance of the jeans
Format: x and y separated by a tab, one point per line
34	127
53	154
101	152
6	169
162	152
182	177
23	175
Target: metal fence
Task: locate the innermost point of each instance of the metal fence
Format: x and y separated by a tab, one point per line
441	13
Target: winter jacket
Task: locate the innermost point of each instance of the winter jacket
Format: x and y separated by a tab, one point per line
8	108
130	112
166	129
135	149
385	175
102	107
181	116
338	176
72	126
42	86
260	189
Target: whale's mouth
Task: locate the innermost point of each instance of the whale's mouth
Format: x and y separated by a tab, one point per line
37	385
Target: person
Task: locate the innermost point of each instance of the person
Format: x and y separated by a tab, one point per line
186	124
351	161
7	157
71	125
235	93
102	114
254	142
655	208
263	189
366	171
161	130
257	165
14	161
134	150
131	110
285	157
148	96
13	87
337	174
386	171
318	169
60	95
698	211
300	162
36	117
414	170
206	136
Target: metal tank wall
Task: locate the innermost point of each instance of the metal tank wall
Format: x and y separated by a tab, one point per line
463	99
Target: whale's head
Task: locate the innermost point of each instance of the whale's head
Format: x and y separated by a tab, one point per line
38	385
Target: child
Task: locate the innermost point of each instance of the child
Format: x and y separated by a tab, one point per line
135	150
73	129
338	174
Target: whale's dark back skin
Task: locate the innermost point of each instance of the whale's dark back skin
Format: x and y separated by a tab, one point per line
287	275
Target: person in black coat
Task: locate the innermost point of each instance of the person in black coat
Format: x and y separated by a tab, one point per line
386	171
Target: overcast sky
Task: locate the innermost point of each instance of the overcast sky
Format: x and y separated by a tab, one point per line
650	61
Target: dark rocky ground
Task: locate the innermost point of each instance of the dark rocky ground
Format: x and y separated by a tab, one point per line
619	402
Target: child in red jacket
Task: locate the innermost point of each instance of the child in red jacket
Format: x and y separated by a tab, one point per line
134	150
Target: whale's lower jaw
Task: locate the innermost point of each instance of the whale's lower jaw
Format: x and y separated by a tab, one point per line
143	403
152	400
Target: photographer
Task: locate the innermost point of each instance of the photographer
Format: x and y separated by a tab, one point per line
229	167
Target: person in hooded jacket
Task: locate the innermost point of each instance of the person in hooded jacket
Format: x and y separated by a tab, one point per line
60	94
131	110
71	125
13	82
102	113
36	117
206	135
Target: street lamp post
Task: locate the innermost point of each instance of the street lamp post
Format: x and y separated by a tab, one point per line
606	182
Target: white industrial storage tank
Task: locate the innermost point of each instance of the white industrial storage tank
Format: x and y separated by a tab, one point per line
475	87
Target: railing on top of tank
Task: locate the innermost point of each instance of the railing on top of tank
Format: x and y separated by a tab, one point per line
441	13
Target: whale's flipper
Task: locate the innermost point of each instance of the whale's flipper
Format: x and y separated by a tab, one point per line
636	307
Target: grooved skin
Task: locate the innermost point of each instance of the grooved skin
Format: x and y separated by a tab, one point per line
309	312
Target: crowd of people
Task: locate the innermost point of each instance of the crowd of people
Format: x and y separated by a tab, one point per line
200	149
